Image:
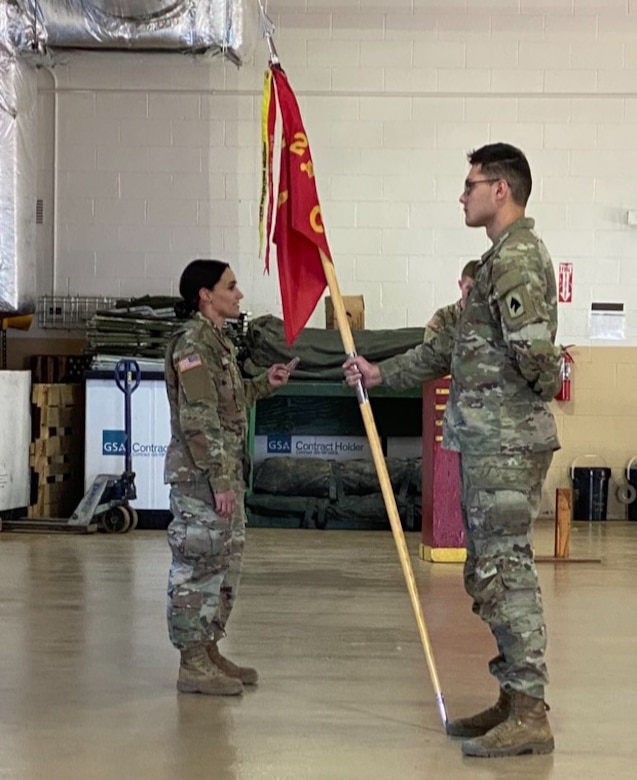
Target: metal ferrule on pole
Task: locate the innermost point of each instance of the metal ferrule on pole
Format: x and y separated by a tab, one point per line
361	391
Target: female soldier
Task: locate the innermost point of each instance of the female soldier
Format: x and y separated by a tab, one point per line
206	467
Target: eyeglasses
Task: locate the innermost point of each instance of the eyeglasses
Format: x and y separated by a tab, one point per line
469	184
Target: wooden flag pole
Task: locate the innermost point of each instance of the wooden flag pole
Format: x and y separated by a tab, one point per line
372	435
385	484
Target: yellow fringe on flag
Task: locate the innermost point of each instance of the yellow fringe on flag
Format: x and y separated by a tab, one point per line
265	159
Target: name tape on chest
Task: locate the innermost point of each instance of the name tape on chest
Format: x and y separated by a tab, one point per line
191	361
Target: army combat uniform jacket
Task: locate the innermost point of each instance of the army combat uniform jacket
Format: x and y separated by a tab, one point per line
209	403
443	319
502	358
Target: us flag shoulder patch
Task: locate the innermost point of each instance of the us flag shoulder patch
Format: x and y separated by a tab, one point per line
192	361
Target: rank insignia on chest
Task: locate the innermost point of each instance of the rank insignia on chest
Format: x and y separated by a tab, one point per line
191	361
514	305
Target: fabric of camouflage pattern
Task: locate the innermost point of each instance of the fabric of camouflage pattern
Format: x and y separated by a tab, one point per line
209	402
500	499
206	567
503	360
444	319
504	369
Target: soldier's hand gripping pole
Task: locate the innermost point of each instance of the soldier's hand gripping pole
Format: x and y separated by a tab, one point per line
385	484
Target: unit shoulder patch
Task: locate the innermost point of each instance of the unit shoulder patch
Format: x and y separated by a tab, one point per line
515	305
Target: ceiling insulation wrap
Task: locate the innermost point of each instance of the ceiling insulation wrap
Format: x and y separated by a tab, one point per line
17	184
228	26
137	9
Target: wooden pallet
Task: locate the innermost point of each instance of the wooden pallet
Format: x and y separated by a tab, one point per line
52	369
56	453
57	395
55	499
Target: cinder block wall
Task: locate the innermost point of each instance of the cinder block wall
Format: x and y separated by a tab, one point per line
147	161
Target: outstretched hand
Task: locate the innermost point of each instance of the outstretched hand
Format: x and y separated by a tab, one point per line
278	375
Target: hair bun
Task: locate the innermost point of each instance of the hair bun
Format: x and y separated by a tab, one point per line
182	310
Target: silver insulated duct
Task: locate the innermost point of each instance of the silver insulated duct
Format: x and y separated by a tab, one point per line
18	95
227	26
30	30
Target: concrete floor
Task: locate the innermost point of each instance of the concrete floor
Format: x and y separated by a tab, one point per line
87	681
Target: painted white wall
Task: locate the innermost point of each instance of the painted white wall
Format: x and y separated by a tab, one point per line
157	157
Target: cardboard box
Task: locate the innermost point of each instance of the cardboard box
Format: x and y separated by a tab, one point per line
355	308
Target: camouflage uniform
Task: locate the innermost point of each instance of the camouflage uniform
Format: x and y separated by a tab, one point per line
444	319
504	367
209	402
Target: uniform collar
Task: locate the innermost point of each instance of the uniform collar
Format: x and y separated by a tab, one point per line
213	330
524	223
199	316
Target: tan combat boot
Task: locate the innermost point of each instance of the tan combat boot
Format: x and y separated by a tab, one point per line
477	725
526	730
198	675
246	674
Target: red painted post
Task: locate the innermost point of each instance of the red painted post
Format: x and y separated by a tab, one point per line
442	531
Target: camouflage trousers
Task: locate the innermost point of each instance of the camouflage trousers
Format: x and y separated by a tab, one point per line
500	502
207	553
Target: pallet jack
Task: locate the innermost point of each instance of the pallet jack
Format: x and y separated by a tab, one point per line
106	504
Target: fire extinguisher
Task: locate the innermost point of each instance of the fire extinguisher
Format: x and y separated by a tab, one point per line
566	367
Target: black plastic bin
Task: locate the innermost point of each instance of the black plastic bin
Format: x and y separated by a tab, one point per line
631	475
590	489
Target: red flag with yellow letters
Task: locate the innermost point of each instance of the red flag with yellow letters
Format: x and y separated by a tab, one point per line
299	234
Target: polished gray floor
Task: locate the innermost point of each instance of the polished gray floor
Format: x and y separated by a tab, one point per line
87	676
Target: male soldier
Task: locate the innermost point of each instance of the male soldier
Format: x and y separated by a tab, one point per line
504	369
449	316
